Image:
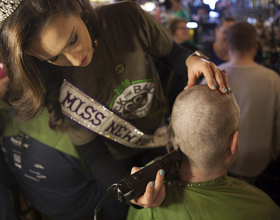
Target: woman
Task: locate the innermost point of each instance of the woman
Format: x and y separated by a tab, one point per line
104	55
180	33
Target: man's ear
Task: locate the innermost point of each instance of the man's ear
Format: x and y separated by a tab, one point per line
232	150
234	145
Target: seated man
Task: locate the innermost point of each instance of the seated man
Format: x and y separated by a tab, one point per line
205	125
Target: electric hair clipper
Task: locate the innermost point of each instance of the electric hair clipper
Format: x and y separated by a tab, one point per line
135	184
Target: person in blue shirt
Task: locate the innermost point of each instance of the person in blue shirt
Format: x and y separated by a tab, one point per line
217	50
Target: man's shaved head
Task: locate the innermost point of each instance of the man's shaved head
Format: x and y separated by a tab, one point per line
202	122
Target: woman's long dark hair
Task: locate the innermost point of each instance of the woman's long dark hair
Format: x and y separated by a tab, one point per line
35	84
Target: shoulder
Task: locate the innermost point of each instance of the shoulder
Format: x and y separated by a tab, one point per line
268	70
252	196
139	214
246	188
268	74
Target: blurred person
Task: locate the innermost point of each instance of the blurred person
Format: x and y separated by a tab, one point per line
223	8
227	5
178	11
180	33
219	8
217	50
190	4
257	92
205	127
200	11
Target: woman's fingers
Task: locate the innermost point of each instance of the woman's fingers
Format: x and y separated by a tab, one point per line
225	79
154	193
215	75
159	189
216	79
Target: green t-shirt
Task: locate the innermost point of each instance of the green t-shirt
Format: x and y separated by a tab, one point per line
122	75
224	198
183	13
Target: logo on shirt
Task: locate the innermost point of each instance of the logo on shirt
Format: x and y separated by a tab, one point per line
135	100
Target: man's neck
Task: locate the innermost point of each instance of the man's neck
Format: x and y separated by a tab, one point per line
242	59
241	62
191	174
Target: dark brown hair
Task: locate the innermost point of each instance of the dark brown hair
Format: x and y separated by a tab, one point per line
173	24
241	36
35	84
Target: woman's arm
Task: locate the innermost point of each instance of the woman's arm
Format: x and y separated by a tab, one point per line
183	61
108	171
102	163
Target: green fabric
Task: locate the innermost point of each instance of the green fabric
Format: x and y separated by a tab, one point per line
4	108
39	129
183	13
224	198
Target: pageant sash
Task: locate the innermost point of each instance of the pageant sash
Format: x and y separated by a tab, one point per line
92	115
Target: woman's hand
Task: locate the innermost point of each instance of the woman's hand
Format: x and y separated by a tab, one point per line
4	82
155	191
198	66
